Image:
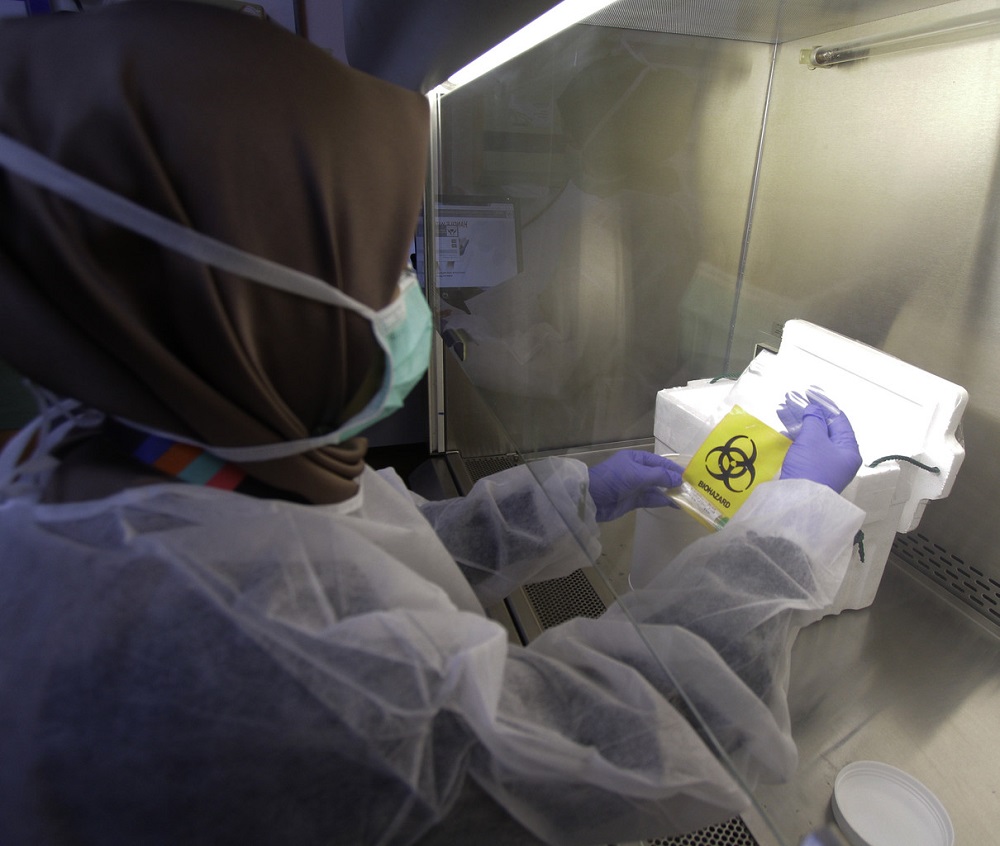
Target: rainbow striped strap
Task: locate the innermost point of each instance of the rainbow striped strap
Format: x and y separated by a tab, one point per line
188	463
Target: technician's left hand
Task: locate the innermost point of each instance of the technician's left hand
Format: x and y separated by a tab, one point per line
631	479
825	450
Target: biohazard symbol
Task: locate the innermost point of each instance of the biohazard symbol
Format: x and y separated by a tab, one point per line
735	468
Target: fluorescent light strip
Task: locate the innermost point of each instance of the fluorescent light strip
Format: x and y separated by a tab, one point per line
971	26
551	23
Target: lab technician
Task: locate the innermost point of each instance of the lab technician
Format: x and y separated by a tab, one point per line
217	624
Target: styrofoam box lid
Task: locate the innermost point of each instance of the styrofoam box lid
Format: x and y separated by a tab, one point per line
894	407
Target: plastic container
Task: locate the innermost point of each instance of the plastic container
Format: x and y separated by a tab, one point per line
875	804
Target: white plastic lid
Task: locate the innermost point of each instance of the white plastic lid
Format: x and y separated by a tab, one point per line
878	805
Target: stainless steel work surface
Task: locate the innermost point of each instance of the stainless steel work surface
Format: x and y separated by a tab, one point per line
912	681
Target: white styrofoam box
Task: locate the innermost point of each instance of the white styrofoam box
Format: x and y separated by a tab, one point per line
874	490
662	533
659	536
894	407
684	416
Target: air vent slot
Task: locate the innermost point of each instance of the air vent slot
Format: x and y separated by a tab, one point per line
961	579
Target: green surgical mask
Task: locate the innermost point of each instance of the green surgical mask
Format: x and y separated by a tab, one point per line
403	330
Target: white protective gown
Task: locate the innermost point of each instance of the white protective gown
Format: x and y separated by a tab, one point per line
184	665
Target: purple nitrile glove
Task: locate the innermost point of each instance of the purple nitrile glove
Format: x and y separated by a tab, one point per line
791	410
632	479
825	449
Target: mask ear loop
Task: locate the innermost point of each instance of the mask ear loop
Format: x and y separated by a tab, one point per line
27	459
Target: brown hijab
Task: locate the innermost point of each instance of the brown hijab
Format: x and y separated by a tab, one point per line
242	131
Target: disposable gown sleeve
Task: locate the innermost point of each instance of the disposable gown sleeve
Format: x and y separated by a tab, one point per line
520	525
270	675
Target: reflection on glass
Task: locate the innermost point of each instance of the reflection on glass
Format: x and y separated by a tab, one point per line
589	137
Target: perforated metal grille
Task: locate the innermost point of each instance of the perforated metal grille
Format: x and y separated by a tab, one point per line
479	468
558	600
731	833
968	583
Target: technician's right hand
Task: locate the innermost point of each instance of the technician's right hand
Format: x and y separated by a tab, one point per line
824	451
632	479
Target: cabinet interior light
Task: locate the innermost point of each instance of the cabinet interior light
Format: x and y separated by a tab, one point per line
554	21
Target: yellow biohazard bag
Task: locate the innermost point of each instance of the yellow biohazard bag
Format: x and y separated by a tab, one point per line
740	453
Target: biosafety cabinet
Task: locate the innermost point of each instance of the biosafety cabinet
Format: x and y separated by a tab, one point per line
642	201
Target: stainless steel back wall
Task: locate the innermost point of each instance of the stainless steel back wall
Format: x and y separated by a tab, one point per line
878	216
